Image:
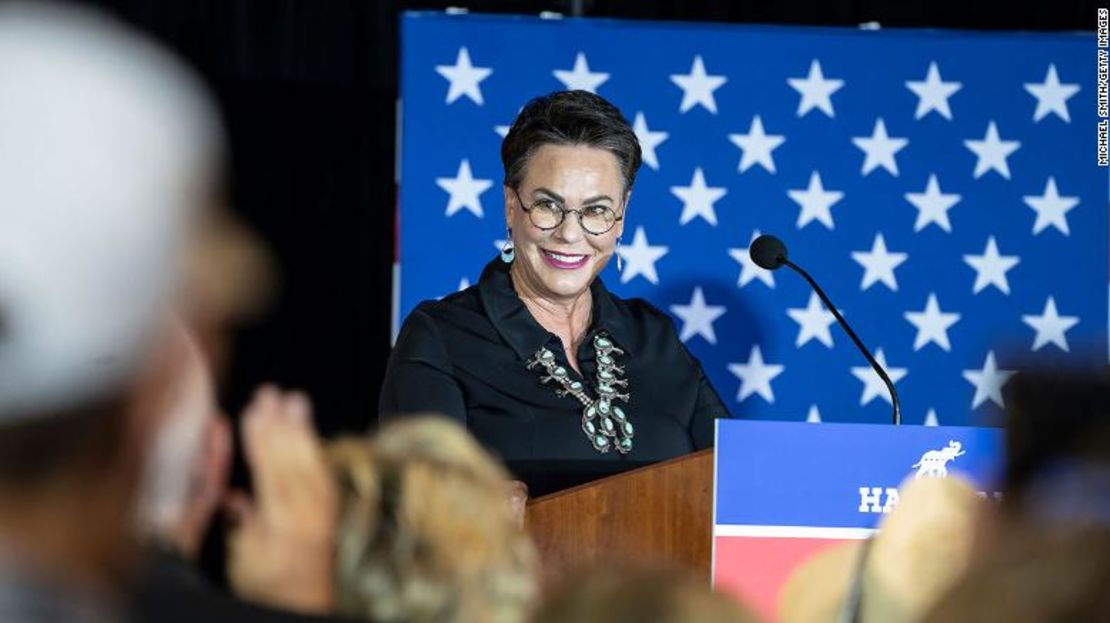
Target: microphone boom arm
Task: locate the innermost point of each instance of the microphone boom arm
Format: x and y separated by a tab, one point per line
897	410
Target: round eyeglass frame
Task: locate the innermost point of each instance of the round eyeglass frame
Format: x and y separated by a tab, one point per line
563	216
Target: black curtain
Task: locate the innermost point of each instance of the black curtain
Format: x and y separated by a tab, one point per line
307	89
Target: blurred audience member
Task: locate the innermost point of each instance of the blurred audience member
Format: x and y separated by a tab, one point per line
1057	469
281	548
1060	576
229	281
184	483
921	547
188	468
109	147
1045	554
410	526
426	534
619	594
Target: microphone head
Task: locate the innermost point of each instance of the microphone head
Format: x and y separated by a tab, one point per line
768	252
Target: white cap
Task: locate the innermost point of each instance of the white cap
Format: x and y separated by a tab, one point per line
107	145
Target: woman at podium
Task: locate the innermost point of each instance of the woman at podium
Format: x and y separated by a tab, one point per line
565	381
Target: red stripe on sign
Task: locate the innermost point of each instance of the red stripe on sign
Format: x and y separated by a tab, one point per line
756	568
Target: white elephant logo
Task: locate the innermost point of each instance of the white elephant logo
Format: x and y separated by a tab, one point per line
934	463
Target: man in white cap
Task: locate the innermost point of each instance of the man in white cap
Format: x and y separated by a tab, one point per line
107	149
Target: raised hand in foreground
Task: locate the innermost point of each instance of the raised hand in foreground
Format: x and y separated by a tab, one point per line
281	545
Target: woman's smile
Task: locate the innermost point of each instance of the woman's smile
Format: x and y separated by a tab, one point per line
564	261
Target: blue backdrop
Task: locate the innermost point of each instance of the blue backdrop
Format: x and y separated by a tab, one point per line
942	185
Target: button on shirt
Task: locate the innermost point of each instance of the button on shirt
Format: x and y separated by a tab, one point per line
465	356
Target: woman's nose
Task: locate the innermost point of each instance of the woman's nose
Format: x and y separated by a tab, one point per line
570	230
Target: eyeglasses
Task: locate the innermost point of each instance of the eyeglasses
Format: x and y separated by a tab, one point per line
547	214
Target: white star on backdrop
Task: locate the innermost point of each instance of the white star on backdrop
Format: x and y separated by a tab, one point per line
503	130
879	264
992	152
933	93
816	202
581	78
697	317
932	325
932	206
880	149
648	140
873	386
1052	96
464	78
816	91
991	268
756	146
813	322
755	376
748	268
931	418
988	382
698	199
640	258
814	415
698	87
465	190
1050	326
1051	208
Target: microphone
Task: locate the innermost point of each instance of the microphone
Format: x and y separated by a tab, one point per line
770	253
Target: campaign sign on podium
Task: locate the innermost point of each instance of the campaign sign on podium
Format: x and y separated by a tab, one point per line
783	491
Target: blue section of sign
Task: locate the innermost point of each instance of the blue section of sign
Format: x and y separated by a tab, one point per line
796	474
943	187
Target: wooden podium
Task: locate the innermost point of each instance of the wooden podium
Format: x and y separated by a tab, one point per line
659	513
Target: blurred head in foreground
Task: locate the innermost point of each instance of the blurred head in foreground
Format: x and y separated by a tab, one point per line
629	594
109	148
425	531
1057	468
922	546
1058	576
1046	554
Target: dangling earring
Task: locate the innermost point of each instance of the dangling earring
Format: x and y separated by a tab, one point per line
508	253
620	268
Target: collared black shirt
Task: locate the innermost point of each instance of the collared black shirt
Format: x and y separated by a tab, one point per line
465	356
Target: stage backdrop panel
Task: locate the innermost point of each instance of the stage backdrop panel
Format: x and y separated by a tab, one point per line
942	185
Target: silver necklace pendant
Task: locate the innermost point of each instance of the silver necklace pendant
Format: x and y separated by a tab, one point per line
605	424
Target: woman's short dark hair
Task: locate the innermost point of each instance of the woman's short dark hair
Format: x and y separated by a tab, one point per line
569	118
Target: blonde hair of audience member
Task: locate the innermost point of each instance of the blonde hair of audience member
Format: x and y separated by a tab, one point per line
626	594
425	533
922	546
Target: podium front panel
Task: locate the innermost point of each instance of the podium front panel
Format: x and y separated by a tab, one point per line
784	491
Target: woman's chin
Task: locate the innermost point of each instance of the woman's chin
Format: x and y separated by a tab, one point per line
564	287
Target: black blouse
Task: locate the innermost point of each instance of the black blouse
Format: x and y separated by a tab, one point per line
465	356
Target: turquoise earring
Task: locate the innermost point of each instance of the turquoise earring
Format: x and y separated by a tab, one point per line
508	253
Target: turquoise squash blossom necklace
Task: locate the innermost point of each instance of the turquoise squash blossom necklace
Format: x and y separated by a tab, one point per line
604	423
